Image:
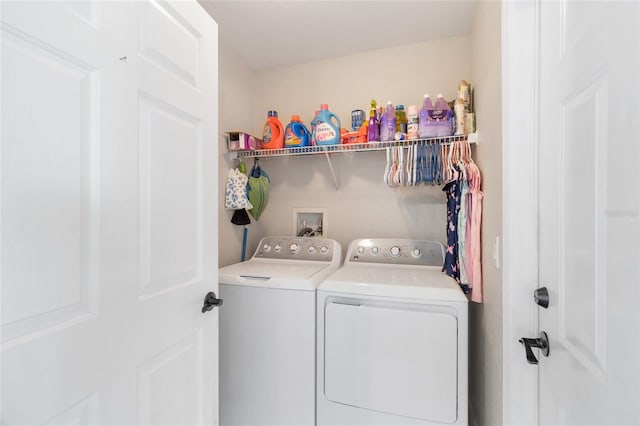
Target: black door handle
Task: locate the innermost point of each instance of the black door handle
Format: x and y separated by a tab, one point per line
541	342
210	302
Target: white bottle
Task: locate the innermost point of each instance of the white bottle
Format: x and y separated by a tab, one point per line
459	111
412	122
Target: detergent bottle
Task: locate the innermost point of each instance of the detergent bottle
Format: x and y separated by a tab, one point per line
296	133
388	123
313	128
374	126
327	129
273	133
443	116
425	130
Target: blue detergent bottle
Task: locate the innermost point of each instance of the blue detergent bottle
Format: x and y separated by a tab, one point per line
296	134
313	128
327	128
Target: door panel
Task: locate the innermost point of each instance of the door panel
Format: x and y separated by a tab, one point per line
50	173
582	283
177	221
108	192
180	366
170	42
170	197
589	212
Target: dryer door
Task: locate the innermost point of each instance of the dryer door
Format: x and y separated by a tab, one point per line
393	358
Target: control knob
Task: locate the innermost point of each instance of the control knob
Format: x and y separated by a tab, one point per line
360	249
294	248
324	249
312	249
394	251
266	248
374	250
416	252
277	248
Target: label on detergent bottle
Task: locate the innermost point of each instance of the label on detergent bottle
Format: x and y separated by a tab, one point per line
324	132
266	134
290	138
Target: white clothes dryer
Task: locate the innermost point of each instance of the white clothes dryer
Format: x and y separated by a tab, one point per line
392	338
267	331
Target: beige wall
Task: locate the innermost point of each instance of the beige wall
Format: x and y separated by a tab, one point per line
363	206
485	332
235	83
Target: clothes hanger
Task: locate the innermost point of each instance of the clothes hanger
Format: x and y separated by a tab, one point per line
387	169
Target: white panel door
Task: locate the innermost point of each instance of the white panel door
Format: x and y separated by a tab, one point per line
108	193
589	212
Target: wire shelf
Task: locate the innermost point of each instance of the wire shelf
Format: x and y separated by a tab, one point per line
356	147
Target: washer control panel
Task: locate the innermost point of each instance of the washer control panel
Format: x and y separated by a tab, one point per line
396	252
298	248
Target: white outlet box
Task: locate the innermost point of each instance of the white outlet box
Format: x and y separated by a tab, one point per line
309	221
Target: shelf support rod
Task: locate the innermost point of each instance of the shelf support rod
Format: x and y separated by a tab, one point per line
333	174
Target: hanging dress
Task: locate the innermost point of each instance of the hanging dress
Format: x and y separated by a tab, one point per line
451	265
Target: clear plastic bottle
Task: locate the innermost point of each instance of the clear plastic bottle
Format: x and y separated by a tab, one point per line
388	123
401	119
424	130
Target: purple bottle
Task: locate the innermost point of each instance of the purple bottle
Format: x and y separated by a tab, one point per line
388	123
373	130
425	130
444	117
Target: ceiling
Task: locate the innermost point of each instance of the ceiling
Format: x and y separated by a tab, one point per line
268	34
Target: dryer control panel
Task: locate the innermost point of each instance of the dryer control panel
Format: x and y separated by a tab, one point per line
396	252
298	248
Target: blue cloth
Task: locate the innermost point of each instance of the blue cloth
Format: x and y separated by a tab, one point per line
451	265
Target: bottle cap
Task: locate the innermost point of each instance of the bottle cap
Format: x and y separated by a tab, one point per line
295	118
413	109
324	106
426	95
439	95
272	114
389	103
399	107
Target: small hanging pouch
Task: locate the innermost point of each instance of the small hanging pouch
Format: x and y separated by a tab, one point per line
236	191
258	190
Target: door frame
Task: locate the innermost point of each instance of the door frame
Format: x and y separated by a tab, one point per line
520	92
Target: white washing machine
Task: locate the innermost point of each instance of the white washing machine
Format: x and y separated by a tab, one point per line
392	338
268	331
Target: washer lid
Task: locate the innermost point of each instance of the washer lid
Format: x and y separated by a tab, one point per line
399	281
282	274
